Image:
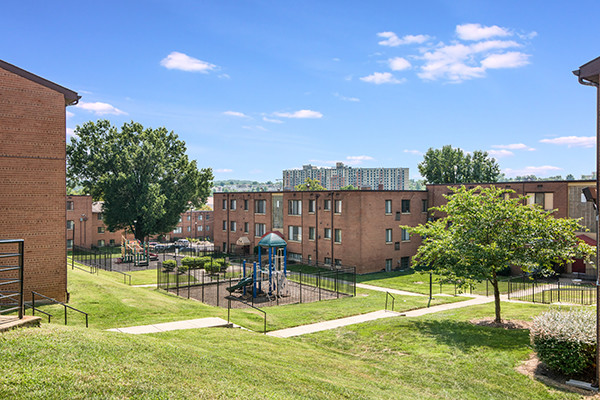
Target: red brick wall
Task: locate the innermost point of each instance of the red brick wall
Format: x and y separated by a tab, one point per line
32	183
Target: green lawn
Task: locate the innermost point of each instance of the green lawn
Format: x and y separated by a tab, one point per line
418	282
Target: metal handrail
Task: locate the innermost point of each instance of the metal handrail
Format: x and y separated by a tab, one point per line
34	309
33	294
249	305
20	303
386	300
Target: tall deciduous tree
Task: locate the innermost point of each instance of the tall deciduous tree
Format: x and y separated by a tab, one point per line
448	165
143	175
484	230
309	184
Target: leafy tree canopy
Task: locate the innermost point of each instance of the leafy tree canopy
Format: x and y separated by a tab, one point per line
309	184
349	187
143	175
448	165
484	230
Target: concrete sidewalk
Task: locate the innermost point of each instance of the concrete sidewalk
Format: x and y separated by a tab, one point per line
392	291
336	323
211	322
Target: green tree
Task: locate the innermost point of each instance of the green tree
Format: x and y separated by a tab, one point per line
143	175
570	177
448	165
309	184
349	187
484	230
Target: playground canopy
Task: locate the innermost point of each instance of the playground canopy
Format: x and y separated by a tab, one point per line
272	239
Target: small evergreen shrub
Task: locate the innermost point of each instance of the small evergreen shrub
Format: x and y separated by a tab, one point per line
182	269
566	341
189	262
169	265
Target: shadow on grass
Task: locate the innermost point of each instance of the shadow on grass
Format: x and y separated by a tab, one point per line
466	336
375	276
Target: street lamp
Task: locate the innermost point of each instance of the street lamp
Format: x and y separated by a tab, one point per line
589	75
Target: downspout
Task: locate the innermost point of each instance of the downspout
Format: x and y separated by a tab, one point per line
317	235
332	229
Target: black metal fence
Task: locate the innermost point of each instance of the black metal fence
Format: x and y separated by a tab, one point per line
552	290
11	276
93	258
241	283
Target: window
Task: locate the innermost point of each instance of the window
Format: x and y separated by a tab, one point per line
233	226
177	230
405	205
69	205
398	214
189	228
294	256
200	228
259	229
179	219
388	264
260	206
100	217
311	233
224	206
70	224
207	217
424	205
338	262
388	206
405	235
295	207
326	204
100	229
405	263
295	233
246	204
311	206
69	243
246	227
207	228
101	243
224	246
397	246
233	204
327	260
338	207
188	217
337	235
224	225
388	236
112	242
544	200
327	233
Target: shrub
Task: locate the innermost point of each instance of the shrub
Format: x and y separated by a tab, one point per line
182	269
189	262
566	341
169	265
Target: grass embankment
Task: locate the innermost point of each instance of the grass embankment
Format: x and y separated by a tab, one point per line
418	282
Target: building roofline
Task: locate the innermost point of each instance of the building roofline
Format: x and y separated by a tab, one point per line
510	182
71	97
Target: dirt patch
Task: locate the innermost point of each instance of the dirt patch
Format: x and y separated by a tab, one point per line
505	324
535	369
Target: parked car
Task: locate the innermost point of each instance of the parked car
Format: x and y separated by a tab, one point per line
153	257
161	248
181	243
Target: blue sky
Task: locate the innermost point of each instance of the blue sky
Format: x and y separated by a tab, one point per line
255	87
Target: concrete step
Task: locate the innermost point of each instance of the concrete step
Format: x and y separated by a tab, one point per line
13	322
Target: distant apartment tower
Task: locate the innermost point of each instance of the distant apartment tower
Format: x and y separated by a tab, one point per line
343	175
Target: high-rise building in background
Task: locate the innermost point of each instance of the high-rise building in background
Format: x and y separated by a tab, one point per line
343	175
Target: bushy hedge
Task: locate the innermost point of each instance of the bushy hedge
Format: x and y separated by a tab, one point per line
566	341
169	265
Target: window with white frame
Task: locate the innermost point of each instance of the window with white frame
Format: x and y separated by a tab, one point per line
188	217
338	207
311	205
327	260
326	204
246	227
544	200
199	228
70	224
260	206
101	243
177	230
224	225
311	233
70	205
233	225
388	264
337	235
100	217
69	243
100	229
388	206
295	207
233	204
388	235
295	233
189	228
224	204
259	229
405	235
327	233
200	217
405	205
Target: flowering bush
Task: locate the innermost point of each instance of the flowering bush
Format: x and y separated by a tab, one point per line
566	341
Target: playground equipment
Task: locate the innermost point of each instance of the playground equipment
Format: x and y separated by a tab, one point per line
134	251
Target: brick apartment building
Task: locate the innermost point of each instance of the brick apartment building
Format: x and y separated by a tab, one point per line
86	228
361	228
32	163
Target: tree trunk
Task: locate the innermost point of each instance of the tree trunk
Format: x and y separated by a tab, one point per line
494	282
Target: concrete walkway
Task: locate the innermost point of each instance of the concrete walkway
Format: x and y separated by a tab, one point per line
392	291
336	323
211	322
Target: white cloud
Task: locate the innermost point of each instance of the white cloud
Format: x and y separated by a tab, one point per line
379	78
359	158
223	170
183	62
351	99
70	114
235	114
272	120
500	153
71	132
350	160
513	146
572	141
299	114
392	40
415	152
399	64
539	171
512	59
478	32
99	108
